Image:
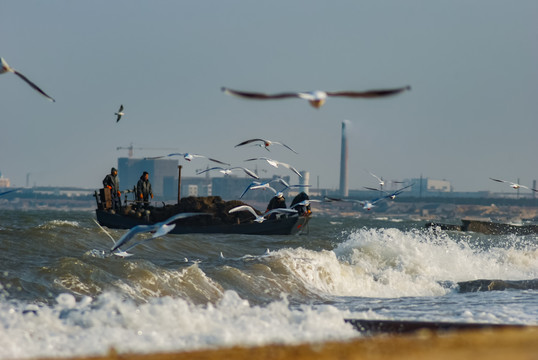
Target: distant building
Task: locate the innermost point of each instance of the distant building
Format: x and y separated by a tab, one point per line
425	185
4	182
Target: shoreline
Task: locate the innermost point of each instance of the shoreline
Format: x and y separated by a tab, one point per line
491	344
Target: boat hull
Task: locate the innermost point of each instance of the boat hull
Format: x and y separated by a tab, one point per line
289	225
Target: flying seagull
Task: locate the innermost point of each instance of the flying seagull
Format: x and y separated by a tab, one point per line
316	98
256	185
275	163
263	217
187	156
391	195
6	68
379	179
228	171
366	204
159	229
120	113
512	184
265	144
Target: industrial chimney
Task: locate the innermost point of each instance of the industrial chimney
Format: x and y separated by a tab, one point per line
343	160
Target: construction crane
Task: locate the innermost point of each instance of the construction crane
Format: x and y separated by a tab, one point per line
131	148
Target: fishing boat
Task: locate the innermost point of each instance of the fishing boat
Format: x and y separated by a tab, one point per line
218	220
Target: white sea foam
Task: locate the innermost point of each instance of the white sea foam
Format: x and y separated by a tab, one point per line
394	263
92	327
58	223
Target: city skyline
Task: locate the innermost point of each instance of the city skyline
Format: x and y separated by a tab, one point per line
469	116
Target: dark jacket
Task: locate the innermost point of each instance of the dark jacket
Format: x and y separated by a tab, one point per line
113	182
276	203
143	187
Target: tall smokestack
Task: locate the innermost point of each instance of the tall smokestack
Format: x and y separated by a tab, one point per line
344	191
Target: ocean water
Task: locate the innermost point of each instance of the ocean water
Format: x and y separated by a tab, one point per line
60	297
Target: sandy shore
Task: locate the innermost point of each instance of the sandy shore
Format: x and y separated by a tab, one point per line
491	344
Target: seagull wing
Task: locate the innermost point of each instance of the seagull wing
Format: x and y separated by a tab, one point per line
219	162
291	168
8	191
247	171
280	211
244	208
282	181
34	86
104	230
501	181
377	177
213	168
131	234
369	93
254	183
399	191
371	188
257	95
182	216
286	146
154	157
249	141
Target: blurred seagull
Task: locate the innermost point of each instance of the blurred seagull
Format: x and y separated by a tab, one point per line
390	195
262	218
256	185
159	229
379	179
316	98
366	204
6	68
120	113
265	144
188	157
512	184
228	171
288	186
275	163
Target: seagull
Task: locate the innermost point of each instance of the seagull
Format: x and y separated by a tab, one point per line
258	185
120	113
316	98
366	204
6	68
228	171
308	202
379	179
265	144
262	218
275	163
392	195
159	229
288	186
187	156
512	184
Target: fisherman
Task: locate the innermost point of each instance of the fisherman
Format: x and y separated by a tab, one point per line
277	202
301	209
143	190
112	182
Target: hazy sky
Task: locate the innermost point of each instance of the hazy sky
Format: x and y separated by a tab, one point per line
471	114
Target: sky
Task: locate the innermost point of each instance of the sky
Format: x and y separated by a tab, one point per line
471	113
